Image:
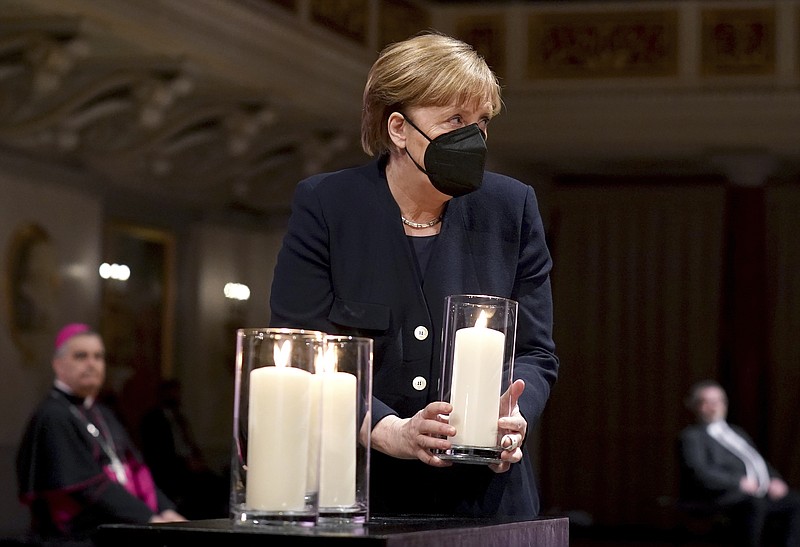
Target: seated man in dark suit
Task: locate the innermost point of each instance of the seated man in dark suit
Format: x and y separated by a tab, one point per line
721	469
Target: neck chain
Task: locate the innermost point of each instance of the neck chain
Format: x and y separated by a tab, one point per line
107	444
420	225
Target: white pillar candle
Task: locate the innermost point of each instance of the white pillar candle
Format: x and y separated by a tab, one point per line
314	440
278	431
337	486
475	387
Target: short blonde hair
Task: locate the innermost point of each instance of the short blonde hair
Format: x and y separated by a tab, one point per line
429	69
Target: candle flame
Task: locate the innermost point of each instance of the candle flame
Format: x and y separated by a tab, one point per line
319	361
482	320
282	352
331	362
326	360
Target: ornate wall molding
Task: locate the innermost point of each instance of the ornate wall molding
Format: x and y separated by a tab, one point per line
228	103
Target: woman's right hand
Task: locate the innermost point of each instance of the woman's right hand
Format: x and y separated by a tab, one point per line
415	437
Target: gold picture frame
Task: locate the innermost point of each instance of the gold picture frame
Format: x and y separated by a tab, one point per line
738	41
603	44
32	285
137	315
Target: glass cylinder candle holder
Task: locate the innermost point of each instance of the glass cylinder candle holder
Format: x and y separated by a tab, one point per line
276	427
345	380
477	371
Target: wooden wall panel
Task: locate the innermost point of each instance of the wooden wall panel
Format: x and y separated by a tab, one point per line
637	295
783	267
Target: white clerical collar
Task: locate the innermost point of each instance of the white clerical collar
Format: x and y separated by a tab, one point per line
87	401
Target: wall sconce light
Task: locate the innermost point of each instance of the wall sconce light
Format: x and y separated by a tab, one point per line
119	272
236	291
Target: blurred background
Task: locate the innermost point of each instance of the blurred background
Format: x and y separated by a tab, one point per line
149	150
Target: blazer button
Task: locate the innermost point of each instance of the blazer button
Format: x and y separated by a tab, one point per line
419	383
420	333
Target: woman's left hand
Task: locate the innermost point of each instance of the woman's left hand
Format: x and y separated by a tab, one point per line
513	429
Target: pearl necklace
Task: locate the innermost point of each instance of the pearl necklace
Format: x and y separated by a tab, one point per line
420	225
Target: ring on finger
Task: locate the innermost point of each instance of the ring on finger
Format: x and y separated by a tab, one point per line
512	440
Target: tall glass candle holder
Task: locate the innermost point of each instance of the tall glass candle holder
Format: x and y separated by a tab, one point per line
276	427
477	371
345	381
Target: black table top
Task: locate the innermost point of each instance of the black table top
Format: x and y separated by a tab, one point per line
384	531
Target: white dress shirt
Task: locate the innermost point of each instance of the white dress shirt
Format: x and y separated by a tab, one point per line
755	466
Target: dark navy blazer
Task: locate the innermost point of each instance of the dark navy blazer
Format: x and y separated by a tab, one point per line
346	267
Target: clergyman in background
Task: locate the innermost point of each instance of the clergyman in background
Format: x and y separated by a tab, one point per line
77	468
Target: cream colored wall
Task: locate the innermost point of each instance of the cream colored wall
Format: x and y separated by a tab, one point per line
205	365
206	321
73	220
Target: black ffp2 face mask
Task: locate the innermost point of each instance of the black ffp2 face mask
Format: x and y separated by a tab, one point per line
454	161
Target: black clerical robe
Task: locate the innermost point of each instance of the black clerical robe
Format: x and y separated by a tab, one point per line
65	475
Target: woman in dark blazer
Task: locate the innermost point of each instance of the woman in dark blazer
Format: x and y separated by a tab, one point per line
375	250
